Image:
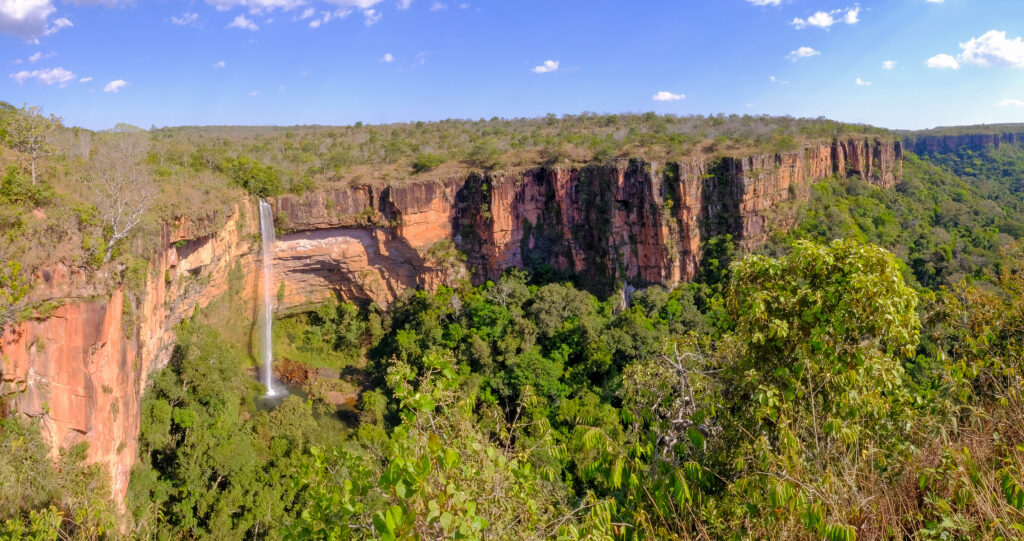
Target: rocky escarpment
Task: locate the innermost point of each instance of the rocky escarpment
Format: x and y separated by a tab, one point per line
633	222
937	144
82	366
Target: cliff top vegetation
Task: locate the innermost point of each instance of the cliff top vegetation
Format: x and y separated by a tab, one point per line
976	129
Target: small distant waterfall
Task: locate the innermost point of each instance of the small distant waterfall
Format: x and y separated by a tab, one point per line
266	319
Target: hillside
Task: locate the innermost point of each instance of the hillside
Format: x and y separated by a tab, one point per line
600	326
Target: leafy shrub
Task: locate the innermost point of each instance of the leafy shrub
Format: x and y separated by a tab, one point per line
252	176
426	161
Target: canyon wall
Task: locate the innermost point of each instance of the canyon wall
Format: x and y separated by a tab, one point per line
935	144
82	366
632	222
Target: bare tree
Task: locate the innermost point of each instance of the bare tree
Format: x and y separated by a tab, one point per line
28	132
123	189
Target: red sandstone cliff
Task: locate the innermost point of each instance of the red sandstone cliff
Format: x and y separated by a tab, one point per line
82	369
933	144
631	222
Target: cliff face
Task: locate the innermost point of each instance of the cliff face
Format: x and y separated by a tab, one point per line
635	222
82	369
936	144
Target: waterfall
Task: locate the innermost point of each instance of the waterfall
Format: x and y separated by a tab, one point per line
266	319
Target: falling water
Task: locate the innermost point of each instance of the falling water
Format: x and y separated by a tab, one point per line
267	315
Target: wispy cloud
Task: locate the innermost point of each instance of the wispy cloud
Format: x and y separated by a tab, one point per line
548	66
243	23
802	52
115	86
50	76
825	19
371	17
186	19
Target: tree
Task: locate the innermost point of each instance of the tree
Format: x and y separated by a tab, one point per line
28	132
426	161
123	190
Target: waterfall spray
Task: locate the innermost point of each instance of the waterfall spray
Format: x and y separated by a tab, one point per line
267	314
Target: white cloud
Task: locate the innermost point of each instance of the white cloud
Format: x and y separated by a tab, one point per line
108	3
25	18
464	5
85	79
933	1
438	6
1011	102
243	23
861	82
852	15
802	52
825	19
371	17
37	56
361	4
328	16
115	86
994	49
219	64
765	2
254	93
889	65
403	4
307	13
49	76
186	19
388	58
257	6
547	67
668	96
57	26
942	62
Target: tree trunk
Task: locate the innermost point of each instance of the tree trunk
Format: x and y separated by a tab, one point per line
33	172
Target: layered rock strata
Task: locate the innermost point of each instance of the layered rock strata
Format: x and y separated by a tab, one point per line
937	144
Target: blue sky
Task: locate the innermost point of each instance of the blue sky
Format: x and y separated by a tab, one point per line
165	63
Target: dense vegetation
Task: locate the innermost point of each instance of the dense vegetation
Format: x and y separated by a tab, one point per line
389	153
858	377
